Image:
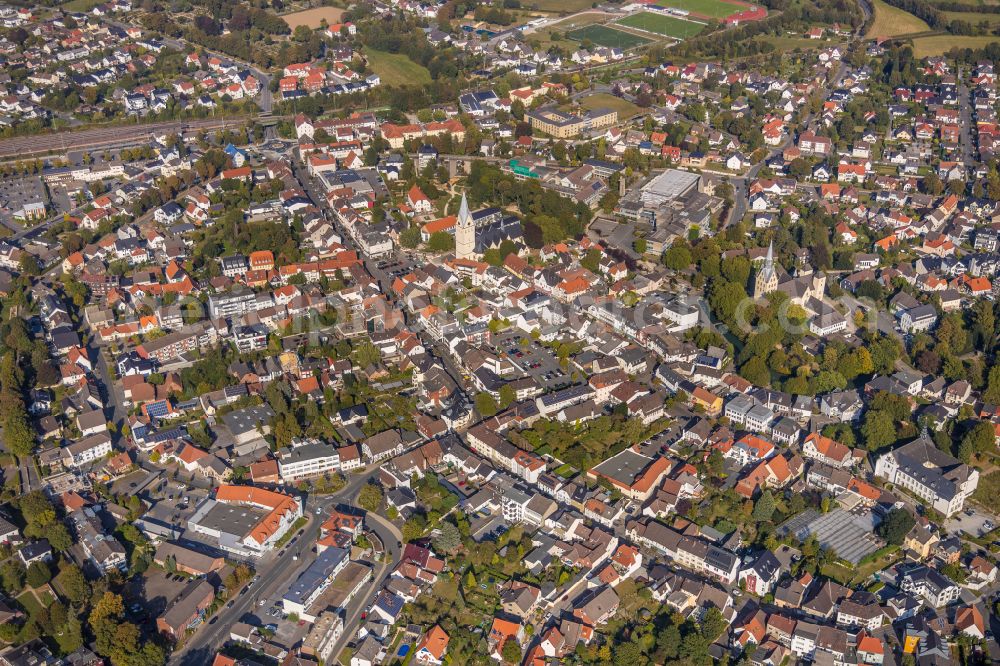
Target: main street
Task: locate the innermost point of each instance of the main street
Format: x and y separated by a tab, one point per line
383	279
276	572
966	121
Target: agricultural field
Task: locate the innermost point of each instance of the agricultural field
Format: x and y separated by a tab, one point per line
396	69
941	44
975	18
625	108
661	24
313	18
892	22
558	6
708	8
602	35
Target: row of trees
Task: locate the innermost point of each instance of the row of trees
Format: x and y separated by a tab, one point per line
17	431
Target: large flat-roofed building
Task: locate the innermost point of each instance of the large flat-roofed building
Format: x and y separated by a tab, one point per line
314	580
187	560
563	125
634	474
557	123
350	581
670	185
600	118
245	520
249	423
308	460
321	639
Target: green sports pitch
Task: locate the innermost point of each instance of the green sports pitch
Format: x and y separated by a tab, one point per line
662	24
710	8
605	36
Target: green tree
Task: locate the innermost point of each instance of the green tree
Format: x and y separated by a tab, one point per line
367	354
755	371
410	237
511	652
592	260
70	635
9	631
507	396
992	393
677	258
38	574
71	580
370	497
12	575
448	539
878	429
414	527
713	624
725	297
469	580
764	507
486	405
981	438
59	537
441	241
896	526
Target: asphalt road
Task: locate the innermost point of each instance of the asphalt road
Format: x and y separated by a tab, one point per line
967	144
384	280
278	570
740	184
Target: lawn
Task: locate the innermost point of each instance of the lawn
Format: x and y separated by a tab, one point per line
625	108
710	8
30	603
891	22
602	35
80	5
988	491
941	44
564	471
396	69
661	24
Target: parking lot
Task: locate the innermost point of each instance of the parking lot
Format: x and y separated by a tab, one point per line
972	521
396	267
15	192
532	358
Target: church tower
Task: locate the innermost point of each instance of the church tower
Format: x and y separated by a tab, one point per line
766	279
465	232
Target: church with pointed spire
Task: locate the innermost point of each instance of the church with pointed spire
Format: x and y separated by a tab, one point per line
465	232
766	279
